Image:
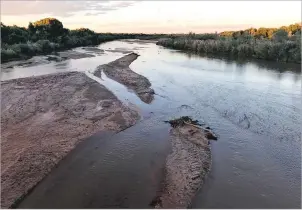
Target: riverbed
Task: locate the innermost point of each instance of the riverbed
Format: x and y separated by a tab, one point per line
253	107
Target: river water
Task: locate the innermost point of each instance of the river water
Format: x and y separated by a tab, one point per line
253	107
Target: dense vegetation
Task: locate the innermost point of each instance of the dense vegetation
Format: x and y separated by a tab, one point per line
49	35
283	44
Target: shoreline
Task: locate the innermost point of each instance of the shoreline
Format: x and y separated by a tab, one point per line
24	57
48	58
45	117
226	56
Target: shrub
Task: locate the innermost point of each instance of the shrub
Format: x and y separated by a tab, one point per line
45	45
16	48
241	47
8	54
280	35
245	50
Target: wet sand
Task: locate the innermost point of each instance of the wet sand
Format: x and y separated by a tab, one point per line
141	41
119	71
186	167
124	51
44	59
94	50
43	118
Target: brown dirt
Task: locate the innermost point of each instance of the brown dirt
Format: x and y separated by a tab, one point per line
43	118
119	71
186	167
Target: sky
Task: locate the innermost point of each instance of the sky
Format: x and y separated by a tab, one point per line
154	16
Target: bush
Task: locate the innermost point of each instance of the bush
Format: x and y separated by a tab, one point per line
8	54
45	45
245	50
280	35
16	48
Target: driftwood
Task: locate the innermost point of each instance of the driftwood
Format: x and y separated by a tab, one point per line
182	120
192	125
185	120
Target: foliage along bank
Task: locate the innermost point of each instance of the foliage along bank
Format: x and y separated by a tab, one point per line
283	44
48	35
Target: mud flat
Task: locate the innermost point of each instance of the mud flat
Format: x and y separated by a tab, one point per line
37	60
186	167
95	50
71	54
120	50
119	71
43	118
141	41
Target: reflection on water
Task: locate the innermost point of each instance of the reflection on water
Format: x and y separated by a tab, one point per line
264	64
254	107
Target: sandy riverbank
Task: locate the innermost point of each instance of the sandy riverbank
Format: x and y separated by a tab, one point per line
59	56
119	71
43	118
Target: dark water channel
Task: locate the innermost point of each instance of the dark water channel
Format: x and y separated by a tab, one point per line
254	108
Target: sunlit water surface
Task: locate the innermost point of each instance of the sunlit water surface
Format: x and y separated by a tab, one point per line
254	108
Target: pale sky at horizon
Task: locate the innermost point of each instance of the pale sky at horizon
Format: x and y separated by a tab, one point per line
155	16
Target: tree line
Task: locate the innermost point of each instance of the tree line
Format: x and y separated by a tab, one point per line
264	32
48	35
277	44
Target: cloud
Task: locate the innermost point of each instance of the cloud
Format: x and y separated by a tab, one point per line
61	8
103	9
94	13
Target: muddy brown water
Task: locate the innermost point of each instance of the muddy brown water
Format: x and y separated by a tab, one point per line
254	108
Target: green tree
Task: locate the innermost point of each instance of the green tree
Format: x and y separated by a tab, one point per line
280	35
49	28
31	28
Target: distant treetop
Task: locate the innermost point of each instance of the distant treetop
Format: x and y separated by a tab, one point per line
264	32
48	21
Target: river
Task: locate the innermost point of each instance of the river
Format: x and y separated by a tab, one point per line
253	107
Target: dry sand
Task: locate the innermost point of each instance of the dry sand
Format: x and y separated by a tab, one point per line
119	71
43	118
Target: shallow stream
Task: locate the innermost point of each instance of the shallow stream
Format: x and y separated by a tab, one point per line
253	107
